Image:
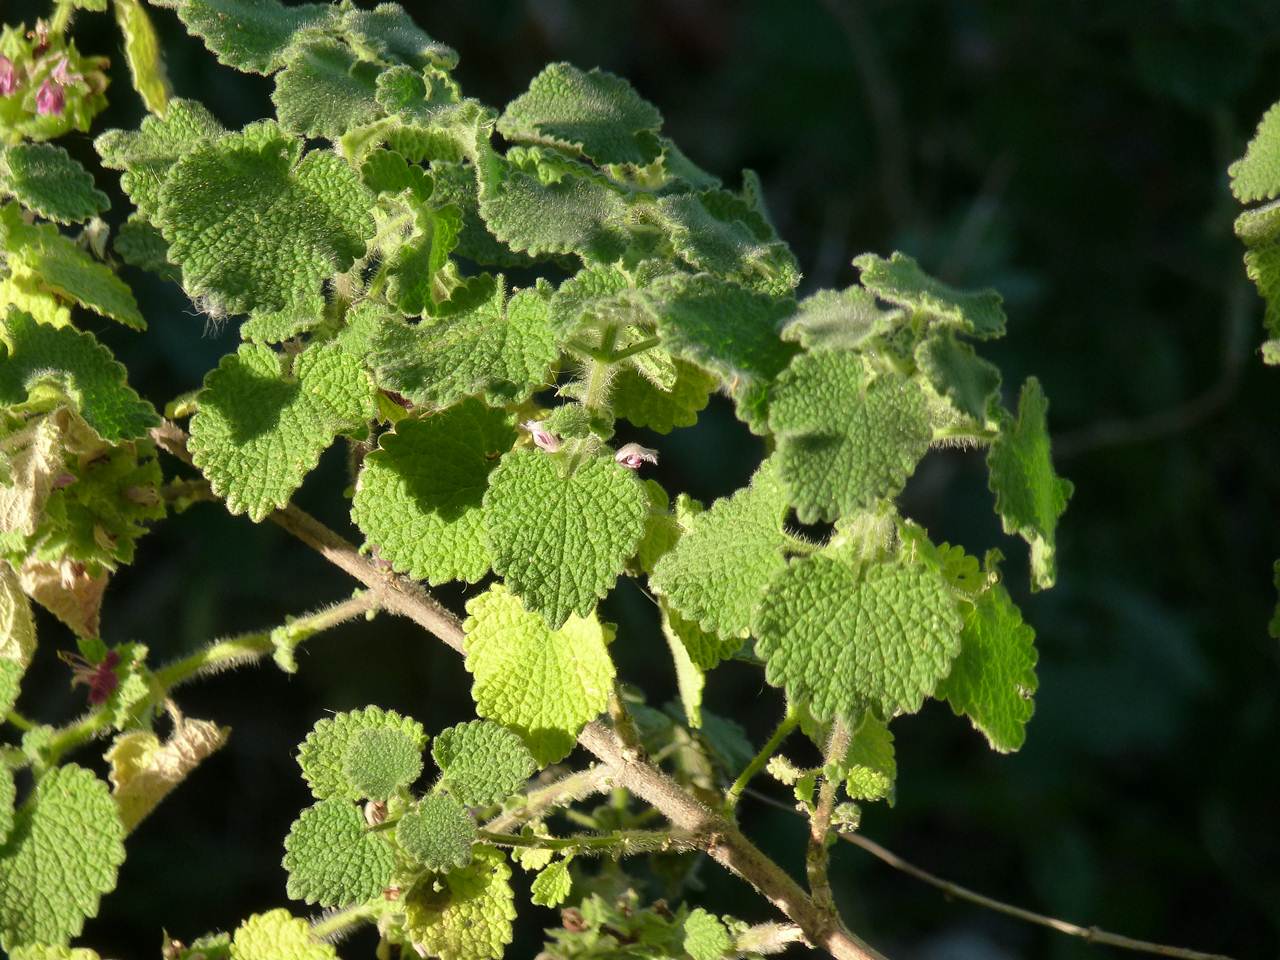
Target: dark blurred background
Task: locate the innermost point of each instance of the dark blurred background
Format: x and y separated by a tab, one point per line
1072	155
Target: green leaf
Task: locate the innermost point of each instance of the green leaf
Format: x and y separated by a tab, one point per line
1256	175
694	651
140	244
381	760
333	859
900	280
1259	229
277	326
57	264
142	50
252	35
544	684
482	762
845	439
260	430
323	754
560	541
839	639
418	499
869	767
276	935
994	678
60	858
437	832
969	383
552	886
147	155
716	574
46	180
731	332
705	937
254	224
23	290
595	112
421	277
1030	497
8	791
388	33
839	320
469	918
43	952
502	348
324	90
38	356
636	399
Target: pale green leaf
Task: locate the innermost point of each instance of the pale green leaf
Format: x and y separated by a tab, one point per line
839	320
277	935
969	383
1030	496
503	348
47	181
252	35
60	858
845	439
1256	175
437	832
694	651
381	760
388	33
468	916
544	684
552	886
261	429
277	326
482	762
839	639
140	244
869	767
8	790
560	541
418	499
900	280
323	754
594	112
325	90
636	399
254	224
716	574
37	356
705	937
42	952
142	50
332	857
994	678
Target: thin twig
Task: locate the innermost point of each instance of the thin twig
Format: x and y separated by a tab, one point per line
951	889
568	789
817	858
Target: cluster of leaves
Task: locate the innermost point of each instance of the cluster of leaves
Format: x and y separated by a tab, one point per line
474	301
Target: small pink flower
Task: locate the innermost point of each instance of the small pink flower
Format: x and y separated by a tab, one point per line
60	72
543	438
101	678
8	76
632	456
50	99
63	480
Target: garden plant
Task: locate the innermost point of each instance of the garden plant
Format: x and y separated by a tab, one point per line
476	303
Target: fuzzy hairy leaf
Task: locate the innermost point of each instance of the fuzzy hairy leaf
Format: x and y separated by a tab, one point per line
57	264
381	760
47	181
1030	496
594	112
278	935
8	793
74	363
332	857
254	224
388	33
552	886
694	652
470	918
544	684
869	767
60	858
325	90
323	754
482	762
251	35
437	832
418	499
969	383
839	640
139	244
994	678
44	952
558	541
1256	175
502	348
731	332
638	400
900	280
142	51
839	320
705	937
717	572
1259	229
845	439
260	429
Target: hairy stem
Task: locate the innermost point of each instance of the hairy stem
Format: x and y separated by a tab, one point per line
620	843
560	793
335	925
788	723
818	856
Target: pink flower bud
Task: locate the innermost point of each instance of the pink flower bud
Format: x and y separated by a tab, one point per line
543	438
8	76
633	455
49	99
60	74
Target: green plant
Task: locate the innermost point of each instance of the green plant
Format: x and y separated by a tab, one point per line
472	302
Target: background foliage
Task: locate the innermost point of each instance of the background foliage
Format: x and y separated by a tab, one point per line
1073	157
